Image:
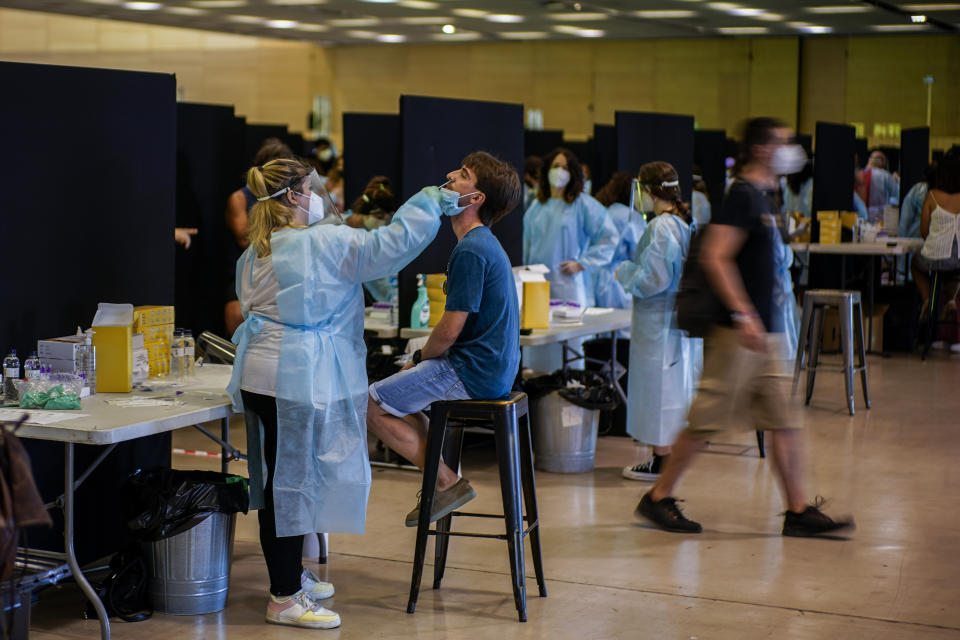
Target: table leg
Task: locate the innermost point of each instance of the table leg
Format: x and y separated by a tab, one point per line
613	368
843	271
224	452
68	509
873	261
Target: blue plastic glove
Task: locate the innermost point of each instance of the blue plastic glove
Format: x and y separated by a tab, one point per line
433	193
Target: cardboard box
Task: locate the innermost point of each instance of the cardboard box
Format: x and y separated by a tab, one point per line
157	333
148	316
114	358
59	366
64	348
831	329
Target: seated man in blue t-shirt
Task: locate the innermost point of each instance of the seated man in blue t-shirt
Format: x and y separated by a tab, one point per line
473	352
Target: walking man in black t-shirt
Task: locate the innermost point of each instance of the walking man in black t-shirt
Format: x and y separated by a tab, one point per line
746	378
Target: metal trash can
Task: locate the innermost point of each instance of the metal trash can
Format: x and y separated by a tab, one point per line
189	572
565	435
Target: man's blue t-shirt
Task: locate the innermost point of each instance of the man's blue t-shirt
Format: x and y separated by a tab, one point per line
486	355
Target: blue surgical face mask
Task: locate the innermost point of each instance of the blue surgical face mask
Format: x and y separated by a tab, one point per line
450	200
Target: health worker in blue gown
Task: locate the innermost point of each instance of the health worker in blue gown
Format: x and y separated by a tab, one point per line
665	364
629	224
569	232
299	373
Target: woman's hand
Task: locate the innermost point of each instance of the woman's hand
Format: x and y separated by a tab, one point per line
570	267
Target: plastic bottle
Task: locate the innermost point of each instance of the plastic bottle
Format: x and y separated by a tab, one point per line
176	355
189	354
86	361
420	313
11	372
31	367
394	301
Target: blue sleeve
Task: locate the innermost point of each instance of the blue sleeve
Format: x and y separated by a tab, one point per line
600	232
859	206
465	282
656	265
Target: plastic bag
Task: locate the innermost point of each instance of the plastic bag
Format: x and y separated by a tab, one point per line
160	503
587	389
47	394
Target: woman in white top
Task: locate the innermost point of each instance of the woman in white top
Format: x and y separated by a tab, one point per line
940	228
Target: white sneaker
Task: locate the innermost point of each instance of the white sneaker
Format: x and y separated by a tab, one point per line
315	587
300	610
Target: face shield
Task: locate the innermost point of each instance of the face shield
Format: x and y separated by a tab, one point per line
321	207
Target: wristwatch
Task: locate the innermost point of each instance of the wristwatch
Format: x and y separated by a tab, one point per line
417	357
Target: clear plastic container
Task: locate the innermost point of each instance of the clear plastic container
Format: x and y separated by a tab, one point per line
176	355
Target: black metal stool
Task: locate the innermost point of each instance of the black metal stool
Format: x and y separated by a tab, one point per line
515	461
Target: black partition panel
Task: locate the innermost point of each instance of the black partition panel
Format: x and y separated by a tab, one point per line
647	137
98	230
371	147
862	151
604	154
255	134
914	157
833	168
435	135
541	142
209	161
708	154
936	154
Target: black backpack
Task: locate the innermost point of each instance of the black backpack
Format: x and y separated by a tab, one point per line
698	307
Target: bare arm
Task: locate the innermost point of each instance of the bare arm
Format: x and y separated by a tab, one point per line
237	218
444	334
720	248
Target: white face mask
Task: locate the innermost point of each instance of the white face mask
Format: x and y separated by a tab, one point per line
315	212
788	159
646	202
325	155
558	177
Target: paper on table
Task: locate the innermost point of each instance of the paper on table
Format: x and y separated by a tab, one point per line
597	311
37	417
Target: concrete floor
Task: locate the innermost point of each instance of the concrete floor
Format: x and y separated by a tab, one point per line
611	576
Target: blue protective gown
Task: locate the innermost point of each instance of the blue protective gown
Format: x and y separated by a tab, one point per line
800	202
859	207
700	208
911	209
555	231
665	364
884	188
607	292
785	299
322	474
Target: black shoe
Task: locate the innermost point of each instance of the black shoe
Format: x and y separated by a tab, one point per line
812	522
666	515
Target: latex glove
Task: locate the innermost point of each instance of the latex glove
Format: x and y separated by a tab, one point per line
433	192
570	267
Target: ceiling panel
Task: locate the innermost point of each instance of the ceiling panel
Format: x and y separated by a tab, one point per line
396	21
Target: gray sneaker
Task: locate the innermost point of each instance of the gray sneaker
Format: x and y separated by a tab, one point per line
444	502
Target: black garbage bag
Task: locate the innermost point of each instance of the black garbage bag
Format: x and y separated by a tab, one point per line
594	391
159	503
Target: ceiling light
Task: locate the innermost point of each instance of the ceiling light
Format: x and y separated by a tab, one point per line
852	8
471	13
282	24
506	18
391	37
245	19
577	31
380	1
580	15
806	27
663	14
899	27
425	20
355	22
448	29
770	17
742	31
219	4
362	34
919	19
142	6
931	7
306	26
745	12
523	35
460	35
186	11
418	4
723	6
295	3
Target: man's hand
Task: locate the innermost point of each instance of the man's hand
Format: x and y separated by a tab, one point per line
409	365
182	236
570	267
753	335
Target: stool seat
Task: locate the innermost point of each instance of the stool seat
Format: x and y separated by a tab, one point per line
511	426
850	309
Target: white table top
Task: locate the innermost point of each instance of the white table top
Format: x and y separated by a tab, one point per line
889	247
604	323
205	398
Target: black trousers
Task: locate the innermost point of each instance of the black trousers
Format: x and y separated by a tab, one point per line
283	555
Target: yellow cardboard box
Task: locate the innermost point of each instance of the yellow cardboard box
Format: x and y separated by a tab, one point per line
114	358
158	333
151	315
536	306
